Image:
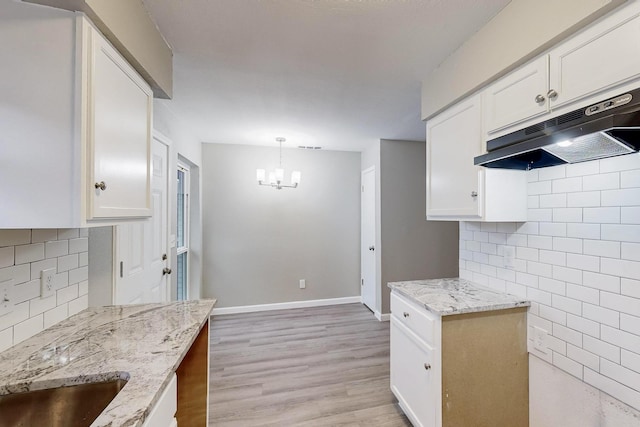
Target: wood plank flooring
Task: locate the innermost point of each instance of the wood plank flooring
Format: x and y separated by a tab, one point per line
320	366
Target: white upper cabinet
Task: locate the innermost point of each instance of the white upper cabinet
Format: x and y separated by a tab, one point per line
456	188
602	57
518	96
77	133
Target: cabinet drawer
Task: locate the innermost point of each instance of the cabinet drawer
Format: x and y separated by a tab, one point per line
414	317
163	413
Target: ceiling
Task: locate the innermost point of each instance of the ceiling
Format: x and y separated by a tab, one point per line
340	74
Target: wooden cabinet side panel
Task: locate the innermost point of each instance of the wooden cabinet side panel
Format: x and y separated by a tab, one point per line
193	379
485	369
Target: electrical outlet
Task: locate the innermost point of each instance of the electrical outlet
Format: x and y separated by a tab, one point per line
46	282
540	340
6	297
303	283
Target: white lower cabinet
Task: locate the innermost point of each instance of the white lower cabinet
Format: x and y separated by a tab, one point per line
164	412
459	370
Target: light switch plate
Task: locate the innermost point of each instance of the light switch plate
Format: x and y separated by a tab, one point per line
6	297
509	257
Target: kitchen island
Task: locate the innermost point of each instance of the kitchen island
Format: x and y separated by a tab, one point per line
459	354
143	344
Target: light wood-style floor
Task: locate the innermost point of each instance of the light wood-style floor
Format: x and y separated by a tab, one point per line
321	366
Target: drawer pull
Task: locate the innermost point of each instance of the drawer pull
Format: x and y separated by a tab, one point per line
405	314
427	366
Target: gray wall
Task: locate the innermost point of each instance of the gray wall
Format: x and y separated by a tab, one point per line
412	247
259	241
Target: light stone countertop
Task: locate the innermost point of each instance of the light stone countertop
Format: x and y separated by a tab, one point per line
142	343
455	296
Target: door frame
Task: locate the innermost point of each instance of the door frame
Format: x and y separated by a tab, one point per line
375	307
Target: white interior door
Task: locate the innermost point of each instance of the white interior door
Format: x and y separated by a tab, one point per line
141	247
368	238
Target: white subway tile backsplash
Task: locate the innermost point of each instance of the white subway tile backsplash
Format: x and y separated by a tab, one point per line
566	244
535	188
29	253
553	201
630	287
570	366
626	197
620	303
605	181
630	179
601	215
583	325
578	261
44	235
601	348
583	357
586	199
601	315
15	237
6	256
630	215
23	254
620	163
621	232
583	262
601	281
581	169
622	268
489	248
620	338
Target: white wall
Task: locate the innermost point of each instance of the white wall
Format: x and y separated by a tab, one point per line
578	261
23	254
259	241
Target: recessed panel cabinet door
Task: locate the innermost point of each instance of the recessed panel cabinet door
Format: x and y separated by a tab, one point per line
120	108
454	138
601	57
519	96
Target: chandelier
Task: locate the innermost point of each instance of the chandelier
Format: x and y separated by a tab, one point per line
276	178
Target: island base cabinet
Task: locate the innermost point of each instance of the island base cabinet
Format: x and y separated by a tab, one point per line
193	383
413	375
475	371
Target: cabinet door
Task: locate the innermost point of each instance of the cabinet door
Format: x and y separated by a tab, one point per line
519	96
454	138
413	376
119	134
599	58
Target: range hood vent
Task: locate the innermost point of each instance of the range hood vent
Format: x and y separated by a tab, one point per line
608	128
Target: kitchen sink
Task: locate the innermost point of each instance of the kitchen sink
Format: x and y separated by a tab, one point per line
70	406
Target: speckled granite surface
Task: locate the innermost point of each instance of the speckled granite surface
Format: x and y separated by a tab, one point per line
141	343
455	296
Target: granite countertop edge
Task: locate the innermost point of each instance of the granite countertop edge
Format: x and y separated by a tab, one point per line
452	296
108	343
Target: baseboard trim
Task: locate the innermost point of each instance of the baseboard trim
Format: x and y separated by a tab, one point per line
285	305
382	317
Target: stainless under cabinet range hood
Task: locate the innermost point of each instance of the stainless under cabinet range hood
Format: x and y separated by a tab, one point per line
608	128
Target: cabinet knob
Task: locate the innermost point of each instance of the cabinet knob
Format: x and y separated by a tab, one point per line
552	94
427	366
540	99
166	270
100	185
474	194
405	314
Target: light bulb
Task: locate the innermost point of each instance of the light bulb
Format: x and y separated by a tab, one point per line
279	174
565	143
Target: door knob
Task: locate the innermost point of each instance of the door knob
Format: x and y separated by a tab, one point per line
427	366
164	257
100	185
371	248
166	270
474	194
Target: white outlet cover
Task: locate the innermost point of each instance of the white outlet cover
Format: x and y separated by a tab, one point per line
47	282
509	257
540	339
